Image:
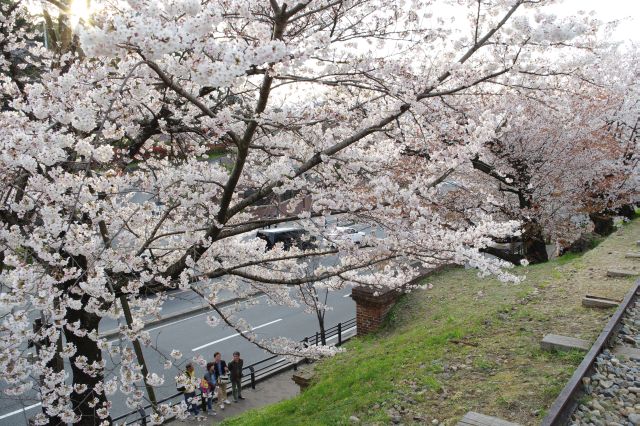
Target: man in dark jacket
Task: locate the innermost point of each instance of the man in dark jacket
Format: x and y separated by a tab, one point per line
235	374
221	373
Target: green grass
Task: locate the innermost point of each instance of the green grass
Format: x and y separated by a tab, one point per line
568	257
214	155
467	344
594	241
410	353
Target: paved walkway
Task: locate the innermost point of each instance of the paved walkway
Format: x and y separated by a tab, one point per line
272	390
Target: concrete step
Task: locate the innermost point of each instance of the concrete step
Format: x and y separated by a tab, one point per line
628	352
620	273
563	343
598	302
632	255
476	419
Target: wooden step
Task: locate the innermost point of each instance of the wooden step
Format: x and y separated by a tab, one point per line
598	302
632	255
620	273
563	343
476	419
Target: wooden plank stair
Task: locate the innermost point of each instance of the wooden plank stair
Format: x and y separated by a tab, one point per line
476	419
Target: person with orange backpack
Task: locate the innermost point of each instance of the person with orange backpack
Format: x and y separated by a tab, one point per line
207	386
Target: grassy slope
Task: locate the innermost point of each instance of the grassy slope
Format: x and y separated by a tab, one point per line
467	344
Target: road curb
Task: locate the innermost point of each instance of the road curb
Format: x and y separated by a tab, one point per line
186	313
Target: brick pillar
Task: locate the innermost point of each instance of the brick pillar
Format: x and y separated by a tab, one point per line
372	305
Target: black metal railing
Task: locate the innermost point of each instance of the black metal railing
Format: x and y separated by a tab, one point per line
269	367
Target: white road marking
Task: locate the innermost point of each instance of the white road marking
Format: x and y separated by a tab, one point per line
347	295
234	335
175	322
194	316
4	416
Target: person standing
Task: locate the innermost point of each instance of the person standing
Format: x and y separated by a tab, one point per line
190	383
235	375
221	373
207	386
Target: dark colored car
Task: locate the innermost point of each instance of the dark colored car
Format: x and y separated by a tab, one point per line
289	237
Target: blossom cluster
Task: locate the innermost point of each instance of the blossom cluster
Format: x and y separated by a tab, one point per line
143	149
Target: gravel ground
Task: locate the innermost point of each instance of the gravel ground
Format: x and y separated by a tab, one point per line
629	334
614	389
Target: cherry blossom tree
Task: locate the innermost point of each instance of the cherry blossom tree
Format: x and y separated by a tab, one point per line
344	101
564	155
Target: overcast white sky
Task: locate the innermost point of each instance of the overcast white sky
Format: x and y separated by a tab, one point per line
609	10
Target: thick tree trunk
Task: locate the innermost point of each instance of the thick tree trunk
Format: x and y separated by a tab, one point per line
320	312
603	223
139	354
628	211
56	364
323	336
87	403
503	254
533	244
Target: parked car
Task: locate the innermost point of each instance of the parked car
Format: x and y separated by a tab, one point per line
289	237
347	233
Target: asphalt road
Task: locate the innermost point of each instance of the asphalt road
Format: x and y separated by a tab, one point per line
178	301
193	336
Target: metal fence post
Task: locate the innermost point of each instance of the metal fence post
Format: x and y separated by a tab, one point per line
317	338
253	377
339	334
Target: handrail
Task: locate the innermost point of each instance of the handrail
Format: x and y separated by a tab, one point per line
263	373
262	361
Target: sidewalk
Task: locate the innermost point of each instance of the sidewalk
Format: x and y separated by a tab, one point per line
270	391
